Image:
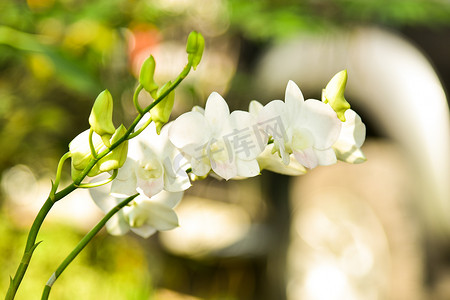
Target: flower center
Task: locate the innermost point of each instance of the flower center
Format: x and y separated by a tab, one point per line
218	151
136	217
150	169
301	139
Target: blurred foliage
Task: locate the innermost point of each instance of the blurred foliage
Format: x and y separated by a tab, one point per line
109	267
271	19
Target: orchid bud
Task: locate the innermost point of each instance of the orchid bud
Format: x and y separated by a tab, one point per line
101	116
161	112
118	155
333	94
146	75
194	47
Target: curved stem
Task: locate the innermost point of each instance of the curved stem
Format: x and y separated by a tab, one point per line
136	99
86	239
91	143
99	183
137	132
58	174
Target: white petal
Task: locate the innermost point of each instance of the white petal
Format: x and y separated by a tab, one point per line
198	109
216	112
349	153
161	217
127	170
306	157
175	177
157	142
353	129
273	162
200	167
246	141
224	169
168	199
124	188
351	138
117	225
325	157
144	231
150	187
272	120
321	120
190	128
285	157
294	101
247	168
100	195
176	183
254	108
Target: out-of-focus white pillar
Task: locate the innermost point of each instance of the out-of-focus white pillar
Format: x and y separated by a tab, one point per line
395	86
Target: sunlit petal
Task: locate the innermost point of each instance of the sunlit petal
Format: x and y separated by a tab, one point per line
190	128
216	112
224	169
144	231
294	101
325	157
307	158
272	162
322	122
247	168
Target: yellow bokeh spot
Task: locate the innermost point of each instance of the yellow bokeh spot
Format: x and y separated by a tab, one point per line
41	66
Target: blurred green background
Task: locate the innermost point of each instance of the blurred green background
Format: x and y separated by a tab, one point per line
56	56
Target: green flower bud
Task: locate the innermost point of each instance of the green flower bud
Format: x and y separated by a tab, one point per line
146	75
160	114
118	155
333	94
194	47
101	116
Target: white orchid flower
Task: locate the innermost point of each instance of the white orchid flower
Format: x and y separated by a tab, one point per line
306	129
268	159
144	216
351	138
153	164
215	139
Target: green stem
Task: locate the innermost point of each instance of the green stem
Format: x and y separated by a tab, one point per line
58	174
91	143
136	99
137	132
99	183
31	241
86	239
